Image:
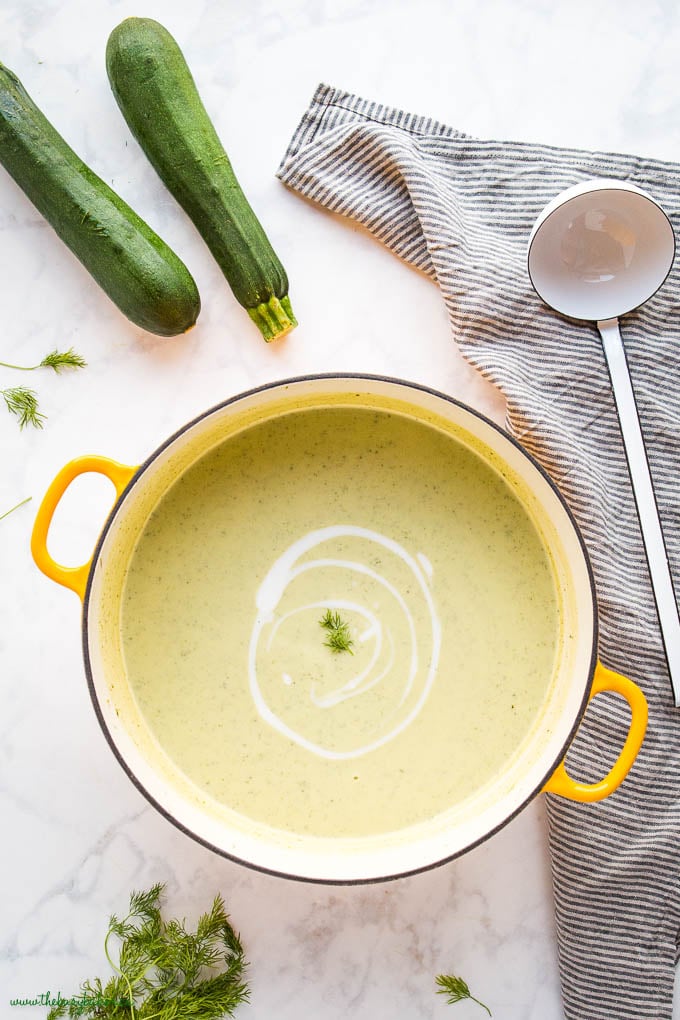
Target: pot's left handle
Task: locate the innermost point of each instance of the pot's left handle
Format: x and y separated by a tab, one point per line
74	578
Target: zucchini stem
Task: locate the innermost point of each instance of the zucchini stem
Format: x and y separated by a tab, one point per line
274	318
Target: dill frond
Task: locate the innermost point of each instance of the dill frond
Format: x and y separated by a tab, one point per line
59	360
164	971
23	403
338	639
55	359
456	990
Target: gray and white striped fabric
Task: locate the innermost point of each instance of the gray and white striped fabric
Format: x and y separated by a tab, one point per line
461	210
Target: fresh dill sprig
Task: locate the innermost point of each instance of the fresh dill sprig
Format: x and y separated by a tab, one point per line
164	971
24	404
62	359
55	359
12	509
338	639
456	989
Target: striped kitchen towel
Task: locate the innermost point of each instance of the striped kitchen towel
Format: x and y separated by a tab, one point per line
461	210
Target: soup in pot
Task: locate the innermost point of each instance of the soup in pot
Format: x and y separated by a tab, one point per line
340	622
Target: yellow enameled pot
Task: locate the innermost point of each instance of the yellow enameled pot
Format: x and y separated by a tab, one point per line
536	766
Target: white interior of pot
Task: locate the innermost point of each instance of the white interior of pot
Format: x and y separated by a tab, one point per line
338	859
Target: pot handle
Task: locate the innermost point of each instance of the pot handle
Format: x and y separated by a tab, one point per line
561	782
74	578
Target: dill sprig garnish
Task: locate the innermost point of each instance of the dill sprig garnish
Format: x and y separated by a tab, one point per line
24	404
164	971
57	360
456	989
338	639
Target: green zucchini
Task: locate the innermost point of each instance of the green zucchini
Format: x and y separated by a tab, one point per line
160	102
137	270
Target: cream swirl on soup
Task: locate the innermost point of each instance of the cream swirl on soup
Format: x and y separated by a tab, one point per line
383	593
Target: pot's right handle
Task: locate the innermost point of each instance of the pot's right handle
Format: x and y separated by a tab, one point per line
561	782
74	578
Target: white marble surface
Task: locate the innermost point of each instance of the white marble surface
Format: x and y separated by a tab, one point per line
77	836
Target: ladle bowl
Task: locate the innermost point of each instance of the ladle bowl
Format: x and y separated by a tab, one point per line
600	249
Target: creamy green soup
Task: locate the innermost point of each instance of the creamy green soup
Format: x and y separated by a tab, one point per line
427	557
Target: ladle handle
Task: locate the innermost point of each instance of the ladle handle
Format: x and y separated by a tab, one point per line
643	491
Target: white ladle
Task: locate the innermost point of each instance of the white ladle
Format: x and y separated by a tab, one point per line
597	251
